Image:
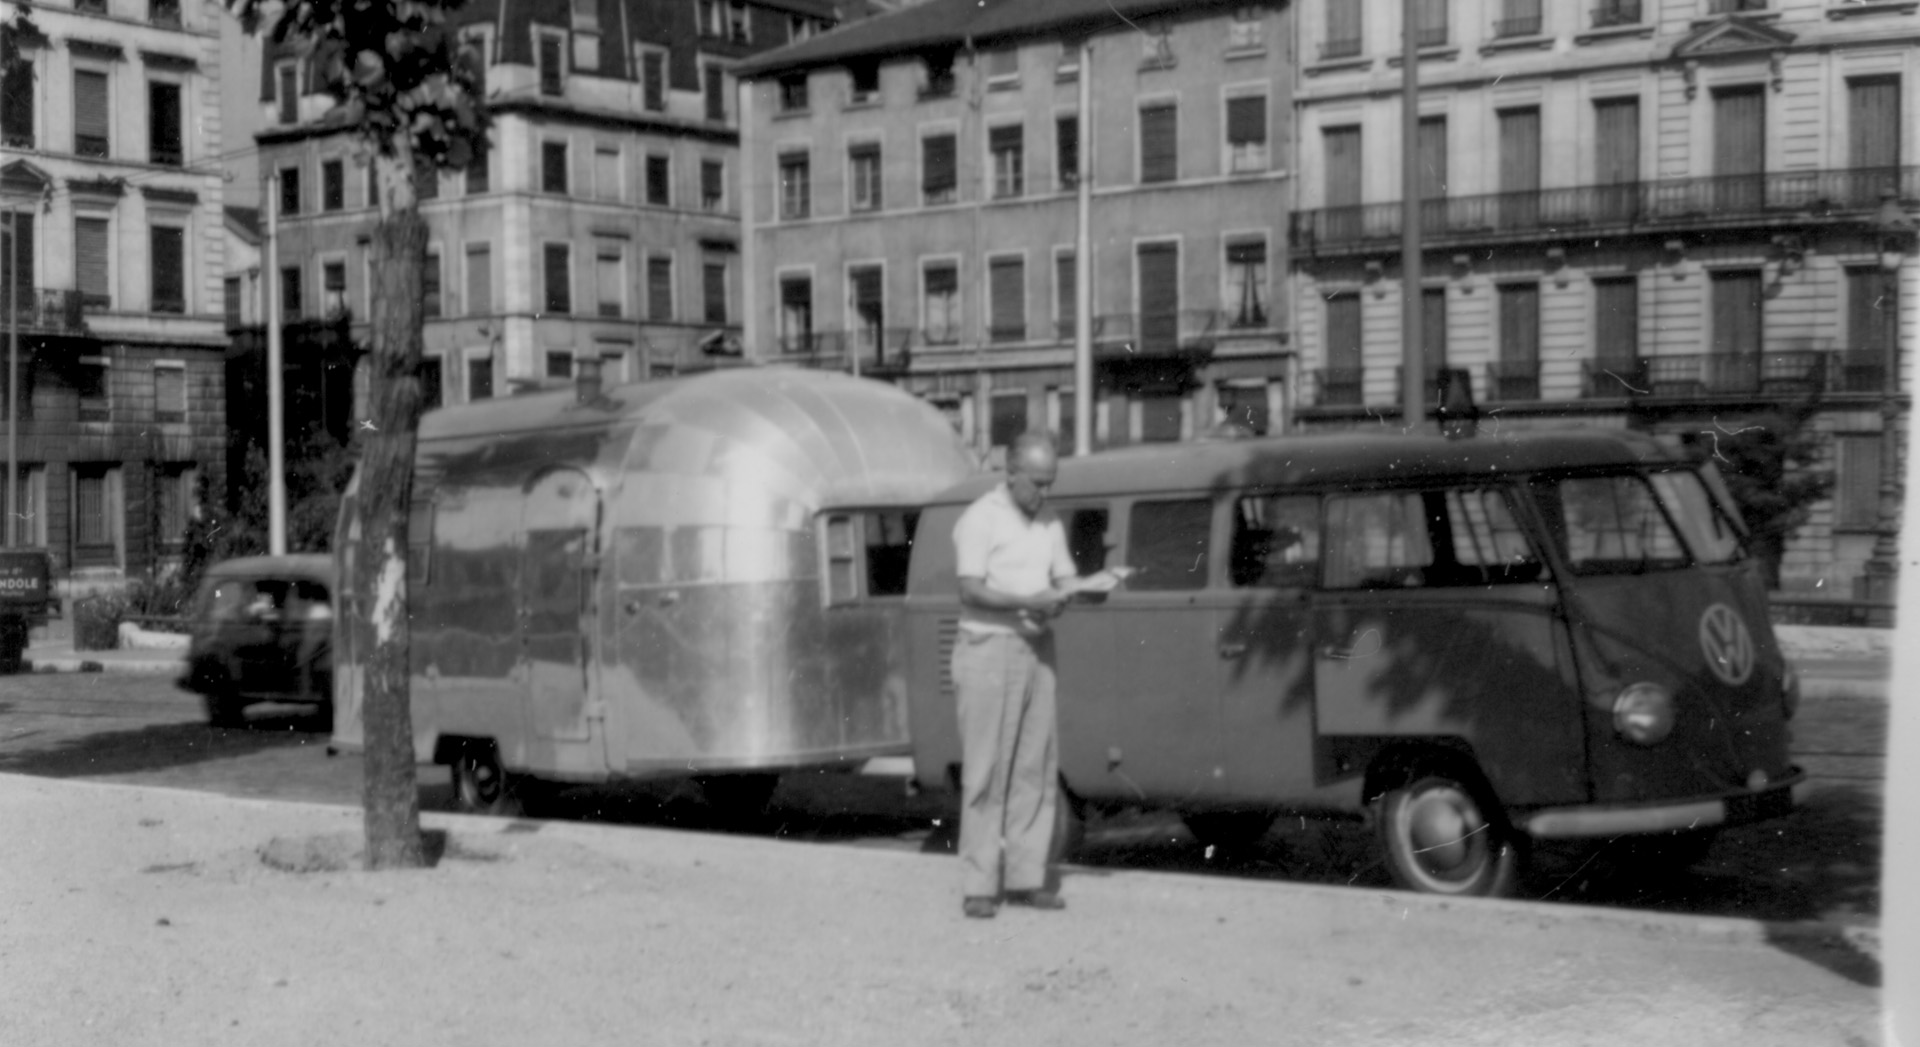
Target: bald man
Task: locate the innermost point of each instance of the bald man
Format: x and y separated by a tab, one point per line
1014	567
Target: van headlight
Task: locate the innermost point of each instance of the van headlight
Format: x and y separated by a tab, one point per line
1790	692
1643	713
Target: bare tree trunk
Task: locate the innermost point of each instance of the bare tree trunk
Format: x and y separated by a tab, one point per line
380	509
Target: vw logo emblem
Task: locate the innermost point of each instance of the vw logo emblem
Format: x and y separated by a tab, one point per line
1727	644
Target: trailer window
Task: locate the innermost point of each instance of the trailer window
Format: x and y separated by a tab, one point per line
867	553
1167	544
1276	542
1610	525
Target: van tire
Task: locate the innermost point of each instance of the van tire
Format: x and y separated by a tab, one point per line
481	785
225	709
1444	836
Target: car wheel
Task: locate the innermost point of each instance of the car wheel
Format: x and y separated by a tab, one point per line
1441	837
1228	830
481	785
225	710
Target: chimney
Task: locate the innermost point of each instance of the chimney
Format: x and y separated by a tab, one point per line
586	379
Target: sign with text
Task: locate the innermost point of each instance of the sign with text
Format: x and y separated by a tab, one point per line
26	580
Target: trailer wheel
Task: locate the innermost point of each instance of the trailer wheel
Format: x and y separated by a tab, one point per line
738	798
481	785
1442	837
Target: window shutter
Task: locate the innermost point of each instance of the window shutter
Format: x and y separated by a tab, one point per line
1520	323
1739	132
1247	120
710	181
167	253
654	74
1617	145
479	280
551	69
1519	150
1006	136
1343	21
90	247
1342	148
1433	157
1344	352
716	93
1064	272
867	292
660	288
1007	278
1736	312
1873	122
289	93
1857	490
1616	321
1066	144
90	113
23	278
938	154
1159	143
942	279
559	279
1159	275
1433	325
715	292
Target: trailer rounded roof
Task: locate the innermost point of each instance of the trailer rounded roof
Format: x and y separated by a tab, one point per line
1346	459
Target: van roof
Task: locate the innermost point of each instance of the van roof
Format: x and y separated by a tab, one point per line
1343	459
317	567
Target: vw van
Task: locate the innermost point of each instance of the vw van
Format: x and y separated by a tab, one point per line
261	630
1472	643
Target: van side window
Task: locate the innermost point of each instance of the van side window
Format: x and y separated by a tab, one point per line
1276	542
1377	541
1610	525
1167	544
1086	537
868	553
1489	547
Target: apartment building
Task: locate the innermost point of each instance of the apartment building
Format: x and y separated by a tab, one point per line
1667	214
910	199
111	264
602	223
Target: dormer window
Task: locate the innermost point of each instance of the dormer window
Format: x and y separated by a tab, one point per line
940	82
793	93
866	81
737	23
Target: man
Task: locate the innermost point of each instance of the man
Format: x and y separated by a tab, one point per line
1015	574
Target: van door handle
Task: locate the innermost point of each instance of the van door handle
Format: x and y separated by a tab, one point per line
1232	649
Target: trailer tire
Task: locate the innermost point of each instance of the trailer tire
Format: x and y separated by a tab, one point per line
481	785
1444	835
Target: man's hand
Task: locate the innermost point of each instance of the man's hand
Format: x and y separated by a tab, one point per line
1047	603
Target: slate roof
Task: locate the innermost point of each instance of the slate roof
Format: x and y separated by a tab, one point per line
943	24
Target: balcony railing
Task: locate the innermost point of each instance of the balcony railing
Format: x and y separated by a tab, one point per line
1616	13
1158	333
1340	386
1344	48
1430	36
1674	202
1526	25
1513	380
44	309
1728	7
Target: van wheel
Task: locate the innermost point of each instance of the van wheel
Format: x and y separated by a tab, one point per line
225	710
480	784
1442	838
1228	830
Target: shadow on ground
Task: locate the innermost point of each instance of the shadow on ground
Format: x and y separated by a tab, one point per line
159	747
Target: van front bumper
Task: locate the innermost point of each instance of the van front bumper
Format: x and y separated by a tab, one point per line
1736	807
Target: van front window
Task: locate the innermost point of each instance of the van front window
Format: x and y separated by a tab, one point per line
1709	533
1611	525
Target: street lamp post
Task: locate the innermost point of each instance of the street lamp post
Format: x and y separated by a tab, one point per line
1881	574
13	374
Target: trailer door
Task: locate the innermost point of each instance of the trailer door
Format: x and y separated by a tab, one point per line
556	614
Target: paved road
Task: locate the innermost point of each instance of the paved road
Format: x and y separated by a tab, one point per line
1821	863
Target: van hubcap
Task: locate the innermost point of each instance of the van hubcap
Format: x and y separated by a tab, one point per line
1446	831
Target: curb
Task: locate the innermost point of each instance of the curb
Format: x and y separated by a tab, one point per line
75	664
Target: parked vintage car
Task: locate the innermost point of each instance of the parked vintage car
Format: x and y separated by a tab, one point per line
262	631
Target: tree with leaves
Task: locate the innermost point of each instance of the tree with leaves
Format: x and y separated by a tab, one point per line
404	84
1772	466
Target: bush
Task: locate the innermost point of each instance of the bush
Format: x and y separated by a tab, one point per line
96	621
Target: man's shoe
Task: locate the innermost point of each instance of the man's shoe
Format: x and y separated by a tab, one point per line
979	908
1047	900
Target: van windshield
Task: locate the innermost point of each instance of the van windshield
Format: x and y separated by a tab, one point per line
1633	524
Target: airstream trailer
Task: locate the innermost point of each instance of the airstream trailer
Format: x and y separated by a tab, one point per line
1473	643
700	576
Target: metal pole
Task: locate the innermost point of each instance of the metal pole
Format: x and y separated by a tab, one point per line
1413	411
276	456
1083	265
13	374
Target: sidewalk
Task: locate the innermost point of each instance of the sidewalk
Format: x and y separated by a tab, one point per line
147	916
50	650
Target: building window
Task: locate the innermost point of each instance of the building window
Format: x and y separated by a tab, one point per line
869	309
333	185
553	167
167	251
938	176
230	295
940	81
707	21
1245	405
716	94
1247	133
1431	18
479	378
1737	313
426	180
1065	304
793	93
1008	147
432	383
289	191
659	181
290	303
1007	288
713	185
96	514
1856	488
91	251
794	185
373	183
796	314
1345	350
606	173
1247	30
430	306
738	30
163	123
713	291
660	288
1517	371
1066	149
90	120
1616	12
863	176
1247	283
16	106
609	278
1006	417
174	483
287	87
559	364
169	392
653	80
1616	323
333	285
1728	7
476	173
1157	270
21	279
865	82
1873	330
940	306
1003	68
1067	66
1159	142
1518	18
479	279
92	384
559	279
553	69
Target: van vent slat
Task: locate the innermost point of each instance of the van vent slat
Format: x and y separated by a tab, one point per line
947	630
